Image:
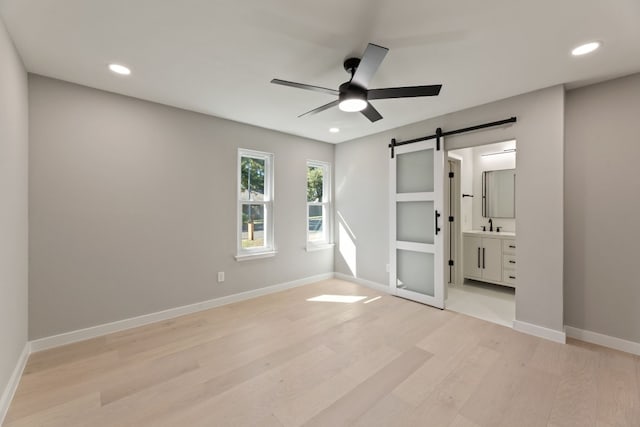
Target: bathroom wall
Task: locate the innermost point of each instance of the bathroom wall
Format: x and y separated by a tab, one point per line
473	163
488	163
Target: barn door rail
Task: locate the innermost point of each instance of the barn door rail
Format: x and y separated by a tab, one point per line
439	134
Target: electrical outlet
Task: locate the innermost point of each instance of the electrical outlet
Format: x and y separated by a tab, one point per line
220	276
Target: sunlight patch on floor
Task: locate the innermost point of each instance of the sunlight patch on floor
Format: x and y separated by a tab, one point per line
346	299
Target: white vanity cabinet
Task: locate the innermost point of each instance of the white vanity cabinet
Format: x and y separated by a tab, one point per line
472	247
509	262
490	257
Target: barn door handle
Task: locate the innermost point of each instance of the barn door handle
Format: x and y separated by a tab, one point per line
437	216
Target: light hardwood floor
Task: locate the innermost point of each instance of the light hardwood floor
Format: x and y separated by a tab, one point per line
280	360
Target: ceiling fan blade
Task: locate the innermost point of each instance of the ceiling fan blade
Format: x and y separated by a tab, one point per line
371	113
404	92
320	109
371	60
307	87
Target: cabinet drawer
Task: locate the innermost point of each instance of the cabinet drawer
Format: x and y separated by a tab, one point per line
509	277
509	262
509	246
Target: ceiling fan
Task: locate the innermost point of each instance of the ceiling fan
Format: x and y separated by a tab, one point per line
355	94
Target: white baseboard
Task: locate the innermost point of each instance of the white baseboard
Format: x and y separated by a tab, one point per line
133	322
12	385
540	331
603	340
364	282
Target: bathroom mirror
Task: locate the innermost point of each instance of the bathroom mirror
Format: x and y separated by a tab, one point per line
499	193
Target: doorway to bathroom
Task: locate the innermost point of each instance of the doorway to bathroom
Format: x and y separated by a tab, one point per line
480	236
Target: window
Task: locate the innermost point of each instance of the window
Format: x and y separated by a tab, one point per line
255	204
318	204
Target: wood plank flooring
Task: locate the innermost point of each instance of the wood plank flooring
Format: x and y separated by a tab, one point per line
280	360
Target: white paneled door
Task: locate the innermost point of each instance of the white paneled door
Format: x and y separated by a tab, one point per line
416	223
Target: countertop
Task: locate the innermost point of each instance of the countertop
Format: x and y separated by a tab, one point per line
504	234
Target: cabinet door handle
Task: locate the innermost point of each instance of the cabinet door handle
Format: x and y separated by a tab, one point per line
436	217
512	246
478	257
512	277
483	258
511	261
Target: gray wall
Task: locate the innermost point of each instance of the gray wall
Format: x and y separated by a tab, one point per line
13	207
602	230
362	194
133	207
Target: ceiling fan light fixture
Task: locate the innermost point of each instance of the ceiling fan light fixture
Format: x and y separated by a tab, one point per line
352	98
351	105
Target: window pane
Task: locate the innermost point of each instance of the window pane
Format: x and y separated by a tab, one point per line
252	173
415	172
253	228
316	224
416	271
415	222
315	183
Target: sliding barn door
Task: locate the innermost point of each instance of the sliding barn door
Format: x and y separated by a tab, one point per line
417	229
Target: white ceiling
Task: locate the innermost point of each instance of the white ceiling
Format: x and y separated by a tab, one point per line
217	57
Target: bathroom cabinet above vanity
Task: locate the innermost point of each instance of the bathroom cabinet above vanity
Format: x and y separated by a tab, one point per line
490	256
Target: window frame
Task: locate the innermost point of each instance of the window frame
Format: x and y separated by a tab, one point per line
326	204
268	249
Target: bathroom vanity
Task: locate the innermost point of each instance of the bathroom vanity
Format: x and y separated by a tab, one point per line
490	256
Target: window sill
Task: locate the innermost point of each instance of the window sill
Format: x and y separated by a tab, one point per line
319	247
258	255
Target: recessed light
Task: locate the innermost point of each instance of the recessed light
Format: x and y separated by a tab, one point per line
120	69
585	48
334	130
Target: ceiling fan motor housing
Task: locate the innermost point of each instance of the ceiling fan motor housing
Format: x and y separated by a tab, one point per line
351	91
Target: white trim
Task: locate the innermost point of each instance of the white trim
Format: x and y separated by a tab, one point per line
455	156
268	205
603	340
456	204
414	197
416	146
540	331
326	203
312	247
257	255
416	247
364	282
14	380
120	325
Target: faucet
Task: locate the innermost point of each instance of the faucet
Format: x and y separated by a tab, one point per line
490	224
